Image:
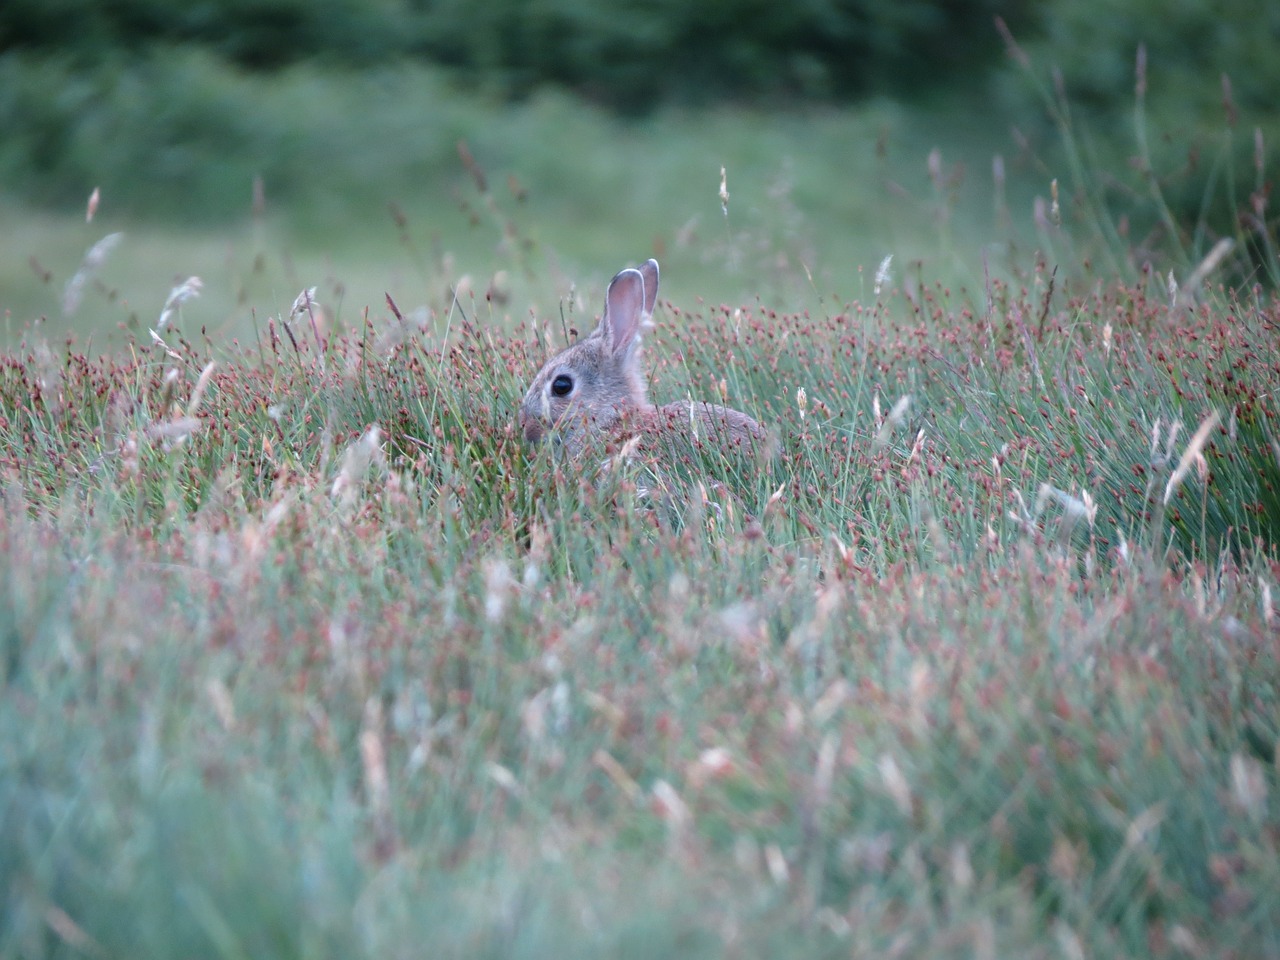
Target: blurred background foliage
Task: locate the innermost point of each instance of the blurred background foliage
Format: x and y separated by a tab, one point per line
606	112
1175	99
142	93
629	55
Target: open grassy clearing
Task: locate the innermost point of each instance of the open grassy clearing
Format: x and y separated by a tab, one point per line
569	194
305	655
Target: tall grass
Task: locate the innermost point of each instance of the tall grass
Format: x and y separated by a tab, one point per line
570	192
304	654
1171	211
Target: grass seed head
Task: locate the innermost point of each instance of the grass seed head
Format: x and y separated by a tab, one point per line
714	763
201	385
1068	941
1248	785
1186	941
1039	214
1193	454
895	783
1074	509
504	778
189	289
174	432
882	275
359	456
223	706
498	585
94	258
961	867
893	420
776	863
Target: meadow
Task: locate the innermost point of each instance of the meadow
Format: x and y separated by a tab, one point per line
552	194
305	653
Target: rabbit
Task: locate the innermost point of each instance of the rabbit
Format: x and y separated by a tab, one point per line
594	391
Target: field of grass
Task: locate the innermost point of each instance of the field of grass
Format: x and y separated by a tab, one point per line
304	654
570	193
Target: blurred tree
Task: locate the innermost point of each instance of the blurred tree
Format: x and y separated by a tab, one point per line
1182	148
630	54
256	34
634	54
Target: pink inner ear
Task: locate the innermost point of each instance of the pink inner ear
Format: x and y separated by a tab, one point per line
649	271
624	309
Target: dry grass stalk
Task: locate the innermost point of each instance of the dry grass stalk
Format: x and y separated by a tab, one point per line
174	431
73	293
223	706
1193	454
189	289
892	421
356	461
615	772
1074	509
201	385
776	862
373	761
882	275
1213	259
670	807
1248	785
895	784
71	933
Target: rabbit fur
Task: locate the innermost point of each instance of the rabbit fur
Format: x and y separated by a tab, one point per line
594	391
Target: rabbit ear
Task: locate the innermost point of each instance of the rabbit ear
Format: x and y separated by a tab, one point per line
623	311
649	270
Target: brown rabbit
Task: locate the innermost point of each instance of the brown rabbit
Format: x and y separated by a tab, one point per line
594	391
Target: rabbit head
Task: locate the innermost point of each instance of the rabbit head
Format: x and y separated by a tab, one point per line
588	389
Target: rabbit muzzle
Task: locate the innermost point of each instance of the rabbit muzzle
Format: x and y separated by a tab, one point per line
532	428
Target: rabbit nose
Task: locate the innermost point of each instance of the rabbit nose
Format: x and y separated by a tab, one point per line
531	428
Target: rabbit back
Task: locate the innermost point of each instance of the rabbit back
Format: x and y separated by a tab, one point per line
693	421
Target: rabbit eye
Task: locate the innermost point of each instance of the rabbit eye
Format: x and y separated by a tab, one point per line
562	386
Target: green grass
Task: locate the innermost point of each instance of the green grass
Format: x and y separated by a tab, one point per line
571	193
273	688
303	653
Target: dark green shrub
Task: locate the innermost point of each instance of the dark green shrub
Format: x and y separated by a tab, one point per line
1172	108
250	33
634	54
141	96
627	54
180	132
